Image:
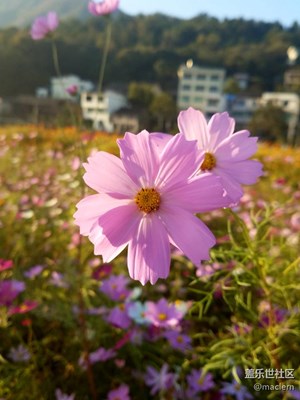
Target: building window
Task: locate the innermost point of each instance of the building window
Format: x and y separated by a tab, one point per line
212	102
213	89
201	77
214	78
185	99
186	87
198	99
199	88
187	75
88	98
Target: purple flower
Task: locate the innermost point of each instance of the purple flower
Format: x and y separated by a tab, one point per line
104	7
57	279
198	382
226	154
178	340
34	271
44	25
236	389
118	317
121	393
9	290
162	314
19	354
295	394
62	396
115	287
147	199
98	355
159	380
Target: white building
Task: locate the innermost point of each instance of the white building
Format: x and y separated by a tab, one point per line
290	104
59	86
98	108
201	88
241	107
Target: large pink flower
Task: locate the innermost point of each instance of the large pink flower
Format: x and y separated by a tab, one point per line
226	154
147	200
104	7
44	25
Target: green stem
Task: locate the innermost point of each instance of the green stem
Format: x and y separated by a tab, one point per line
104	56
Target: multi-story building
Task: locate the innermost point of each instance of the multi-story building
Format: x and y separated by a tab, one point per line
241	107
98	108
201	88
290	104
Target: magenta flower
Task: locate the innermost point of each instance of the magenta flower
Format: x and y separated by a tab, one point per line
147	200
72	90
104	7
226	154
121	393
159	380
25	307
5	264
44	25
162	314
9	290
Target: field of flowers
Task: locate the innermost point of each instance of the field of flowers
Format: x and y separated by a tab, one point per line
72	327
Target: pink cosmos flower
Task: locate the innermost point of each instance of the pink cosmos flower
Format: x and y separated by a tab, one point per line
5	264
43	25
162	314
226	154
72	90
121	393
104	7
115	287
9	290
147	200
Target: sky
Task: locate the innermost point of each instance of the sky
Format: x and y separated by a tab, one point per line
284	11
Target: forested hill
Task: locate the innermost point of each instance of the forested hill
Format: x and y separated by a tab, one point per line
147	48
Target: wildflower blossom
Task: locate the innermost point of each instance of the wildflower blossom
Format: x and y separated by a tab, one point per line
120	393
5	264
25	307
99	355
159	380
72	90
162	314
137	312
34	271
118	316
115	287
104	7
63	396
9	290
226	154
19	354
178	340
236	389
43	25
198	382
147	199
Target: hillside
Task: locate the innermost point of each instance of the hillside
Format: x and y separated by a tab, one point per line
21	13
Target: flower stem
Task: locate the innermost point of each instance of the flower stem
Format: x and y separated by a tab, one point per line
104	56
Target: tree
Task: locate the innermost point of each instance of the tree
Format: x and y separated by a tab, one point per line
163	108
269	123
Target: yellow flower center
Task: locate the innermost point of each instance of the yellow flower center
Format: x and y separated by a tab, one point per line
148	200
162	316
179	339
209	162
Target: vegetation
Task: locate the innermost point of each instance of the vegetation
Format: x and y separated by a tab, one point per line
150	49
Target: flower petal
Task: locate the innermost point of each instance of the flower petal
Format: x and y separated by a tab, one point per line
139	157
220	126
180	160
204	193
114	229
231	186
52	20
106	173
237	147
193	125
245	172
188	233
149	251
